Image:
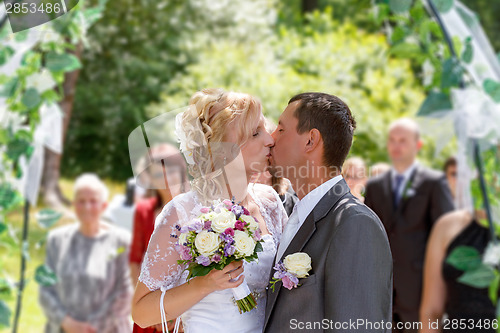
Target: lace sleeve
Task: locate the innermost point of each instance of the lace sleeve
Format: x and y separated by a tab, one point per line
159	267
271	208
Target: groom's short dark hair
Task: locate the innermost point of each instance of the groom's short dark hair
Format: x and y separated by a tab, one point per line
332	118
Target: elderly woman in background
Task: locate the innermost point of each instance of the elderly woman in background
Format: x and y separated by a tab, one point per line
354	173
90	260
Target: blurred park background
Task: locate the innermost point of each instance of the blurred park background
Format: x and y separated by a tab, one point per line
142	58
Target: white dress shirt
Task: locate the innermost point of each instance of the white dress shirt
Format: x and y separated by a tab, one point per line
301	210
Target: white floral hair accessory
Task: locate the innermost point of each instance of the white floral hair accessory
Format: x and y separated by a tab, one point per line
182	137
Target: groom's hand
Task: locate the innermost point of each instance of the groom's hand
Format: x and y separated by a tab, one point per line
225	278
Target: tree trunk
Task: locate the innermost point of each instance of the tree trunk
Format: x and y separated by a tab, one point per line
309	5
50	190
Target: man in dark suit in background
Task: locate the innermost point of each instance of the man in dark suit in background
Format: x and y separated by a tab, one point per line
409	199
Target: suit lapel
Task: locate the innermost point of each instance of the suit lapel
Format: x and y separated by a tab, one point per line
329	200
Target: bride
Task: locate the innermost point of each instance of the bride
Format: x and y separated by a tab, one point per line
225	142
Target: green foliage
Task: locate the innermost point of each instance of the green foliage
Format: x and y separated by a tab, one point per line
488	11
490	157
476	274
443	6
45	276
62	62
400	6
25	90
468	51
4	314
434	102
492	88
481	277
309	59
464	258
140	47
48	217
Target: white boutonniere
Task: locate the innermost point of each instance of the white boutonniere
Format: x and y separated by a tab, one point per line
294	267
409	191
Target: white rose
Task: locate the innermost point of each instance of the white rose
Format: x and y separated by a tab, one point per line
243	243
209	216
252	224
223	220
183	238
298	263
207	242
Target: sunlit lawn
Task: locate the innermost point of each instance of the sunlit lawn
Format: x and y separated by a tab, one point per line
32	318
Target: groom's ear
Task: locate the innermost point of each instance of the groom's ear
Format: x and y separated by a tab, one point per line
313	140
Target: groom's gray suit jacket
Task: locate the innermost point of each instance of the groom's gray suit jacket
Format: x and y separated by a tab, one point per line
351	277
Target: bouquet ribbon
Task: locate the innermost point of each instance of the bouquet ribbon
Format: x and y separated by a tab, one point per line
241	291
164	314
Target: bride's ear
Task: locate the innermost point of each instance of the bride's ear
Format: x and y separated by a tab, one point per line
313	140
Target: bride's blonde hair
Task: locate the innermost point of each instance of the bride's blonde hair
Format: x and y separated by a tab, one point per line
215	110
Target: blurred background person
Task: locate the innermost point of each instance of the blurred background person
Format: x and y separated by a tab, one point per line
90	260
409	199
442	292
450	170
379	168
165	178
354	173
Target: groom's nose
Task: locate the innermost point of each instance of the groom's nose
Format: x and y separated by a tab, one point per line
269	141
273	134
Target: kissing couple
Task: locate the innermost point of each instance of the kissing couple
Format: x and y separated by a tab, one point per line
330	261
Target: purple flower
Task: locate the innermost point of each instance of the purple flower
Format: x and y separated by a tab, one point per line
229	232
245	211
240	225
198	226
202	260
279	266
205	210
207	225
185	253
229	250
216	258
279	274
227	238
237	210
178	248
256	235
289	281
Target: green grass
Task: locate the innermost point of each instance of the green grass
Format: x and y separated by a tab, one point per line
32	319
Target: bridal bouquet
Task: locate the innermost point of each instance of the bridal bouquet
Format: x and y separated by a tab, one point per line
224	232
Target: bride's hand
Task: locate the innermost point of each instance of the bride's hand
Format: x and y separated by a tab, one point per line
223	279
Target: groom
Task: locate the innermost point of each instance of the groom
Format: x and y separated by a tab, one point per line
349	288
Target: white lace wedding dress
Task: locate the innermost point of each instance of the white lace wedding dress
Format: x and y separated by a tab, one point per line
217	312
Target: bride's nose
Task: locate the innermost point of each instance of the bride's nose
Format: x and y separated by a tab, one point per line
269	141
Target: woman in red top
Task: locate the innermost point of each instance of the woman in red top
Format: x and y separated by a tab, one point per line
166	177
